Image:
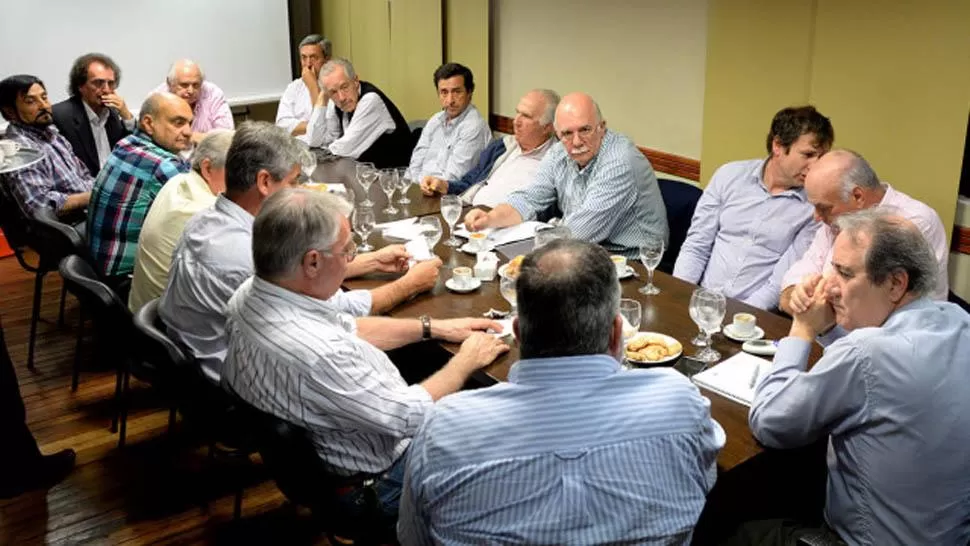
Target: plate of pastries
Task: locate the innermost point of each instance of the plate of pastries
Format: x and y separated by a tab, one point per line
652	348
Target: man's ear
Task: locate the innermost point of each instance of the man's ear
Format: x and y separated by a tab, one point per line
147	124
264	181
898	284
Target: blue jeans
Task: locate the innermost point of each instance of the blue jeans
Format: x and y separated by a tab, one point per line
385	492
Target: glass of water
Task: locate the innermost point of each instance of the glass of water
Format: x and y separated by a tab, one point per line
364	224
507	288
388	181
366	175
632	313
430	228
451	212
403	185
651	251
707	308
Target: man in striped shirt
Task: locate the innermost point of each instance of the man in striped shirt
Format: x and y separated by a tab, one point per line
602	184
209	107
297	356
574	449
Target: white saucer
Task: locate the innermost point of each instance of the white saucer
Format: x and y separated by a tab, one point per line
763	347
464	248
626	274
728	331
475	283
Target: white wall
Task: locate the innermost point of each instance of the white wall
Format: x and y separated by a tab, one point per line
642	60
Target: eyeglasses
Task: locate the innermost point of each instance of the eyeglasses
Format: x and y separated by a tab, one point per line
584	132
342	88
350	251
101	83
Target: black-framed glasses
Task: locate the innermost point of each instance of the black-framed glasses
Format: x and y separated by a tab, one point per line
349	252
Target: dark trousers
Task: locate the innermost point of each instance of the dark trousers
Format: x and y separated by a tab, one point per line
783	532
20	450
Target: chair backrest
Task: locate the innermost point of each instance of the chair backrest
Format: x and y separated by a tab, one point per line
154	351
680	199
952	297
97	299
55	240
13	222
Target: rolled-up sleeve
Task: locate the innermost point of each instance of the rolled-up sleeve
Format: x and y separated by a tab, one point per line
353	302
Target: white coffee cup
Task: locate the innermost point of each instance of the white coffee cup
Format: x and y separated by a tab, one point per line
9	147
462	277
744	324
477	241
619	262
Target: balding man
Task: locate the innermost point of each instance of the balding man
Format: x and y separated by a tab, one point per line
891	396
840	182
353	118
614	201
508	163
296	104
134	174
209	108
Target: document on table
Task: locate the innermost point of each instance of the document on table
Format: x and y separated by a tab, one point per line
501	236
735	378
404	230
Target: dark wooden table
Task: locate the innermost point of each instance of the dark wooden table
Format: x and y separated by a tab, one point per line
665	313
344	171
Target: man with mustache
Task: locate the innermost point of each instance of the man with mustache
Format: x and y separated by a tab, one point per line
353	118
127	185
60	181
603	185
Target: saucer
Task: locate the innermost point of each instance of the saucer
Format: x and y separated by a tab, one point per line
626	274
464	248
763	347
475	283
728	331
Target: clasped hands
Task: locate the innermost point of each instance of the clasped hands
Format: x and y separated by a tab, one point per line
813	313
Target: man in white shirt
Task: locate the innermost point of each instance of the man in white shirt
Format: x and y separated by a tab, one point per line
508	163
353	118
296	104
453	138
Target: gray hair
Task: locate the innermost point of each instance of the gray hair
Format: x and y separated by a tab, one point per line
291	223
858	173
214	147
332	65
568	298
173	70
257	146
316	39
895	244
552	102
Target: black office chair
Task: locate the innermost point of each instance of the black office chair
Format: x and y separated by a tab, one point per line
952	297
680	199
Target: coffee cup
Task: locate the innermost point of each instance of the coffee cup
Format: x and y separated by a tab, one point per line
9	148
462	277
477	241
619	262
744	324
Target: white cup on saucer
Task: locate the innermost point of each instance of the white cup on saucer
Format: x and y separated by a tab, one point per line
476	241
619	262
9	148
461	277
744	324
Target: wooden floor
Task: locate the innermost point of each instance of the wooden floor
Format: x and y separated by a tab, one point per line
159	489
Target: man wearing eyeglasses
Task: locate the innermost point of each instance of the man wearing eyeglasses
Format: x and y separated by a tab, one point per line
95	117
603	185
353	118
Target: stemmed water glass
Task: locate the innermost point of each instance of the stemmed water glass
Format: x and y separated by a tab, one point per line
430	228
366	174
388	182
451	212
403	185
363	225
707	308
632	313
507	288
651	251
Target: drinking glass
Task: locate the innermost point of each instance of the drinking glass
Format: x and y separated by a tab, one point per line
364	224
707	308
507	288
431	230
632	313
651	251
403	185
366	174
451	212
388	182
544	235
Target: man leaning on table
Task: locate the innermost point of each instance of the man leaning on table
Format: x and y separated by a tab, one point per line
294	354
508	163
753	220
296	104
209	107
891	395
605	188
584	451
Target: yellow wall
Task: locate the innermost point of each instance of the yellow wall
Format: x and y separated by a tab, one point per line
894	78
642	60
467	42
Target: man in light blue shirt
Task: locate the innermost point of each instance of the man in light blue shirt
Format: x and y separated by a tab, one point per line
602	184
892	394
585	451
453	138
754	220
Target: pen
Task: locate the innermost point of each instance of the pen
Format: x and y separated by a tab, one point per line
754	375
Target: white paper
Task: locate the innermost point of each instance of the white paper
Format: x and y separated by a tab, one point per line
506	328
404	230
418	249
501	236
336	188
733	377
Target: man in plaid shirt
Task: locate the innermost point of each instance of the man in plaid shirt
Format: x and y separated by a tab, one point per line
60	181
127	185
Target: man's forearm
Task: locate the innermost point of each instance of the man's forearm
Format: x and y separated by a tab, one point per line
448	379
386	296
74	202
504	215
388	333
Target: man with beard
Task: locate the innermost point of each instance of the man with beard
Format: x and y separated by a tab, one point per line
60	181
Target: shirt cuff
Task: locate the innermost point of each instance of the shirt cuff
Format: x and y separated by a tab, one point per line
830	337
130	123
792	353
521	206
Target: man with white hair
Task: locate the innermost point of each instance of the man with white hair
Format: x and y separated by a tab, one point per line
209	107
508	163
891	395
179	199
296	104
353	118
843	181
295	355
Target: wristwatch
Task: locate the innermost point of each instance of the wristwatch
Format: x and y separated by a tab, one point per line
425	326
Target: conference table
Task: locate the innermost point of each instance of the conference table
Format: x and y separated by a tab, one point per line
665	313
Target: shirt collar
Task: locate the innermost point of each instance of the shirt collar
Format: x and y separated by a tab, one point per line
238	214
541	371
319	309
145	140
915	305
34	133
458	119
758	175
95	119
538	150
888	196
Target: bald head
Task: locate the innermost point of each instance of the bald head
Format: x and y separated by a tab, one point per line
185	80
167	119
580	126
842	181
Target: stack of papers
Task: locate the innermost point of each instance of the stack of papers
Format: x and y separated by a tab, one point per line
735	378
501	236
404	230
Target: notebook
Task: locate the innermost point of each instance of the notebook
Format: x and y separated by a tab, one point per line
735	378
